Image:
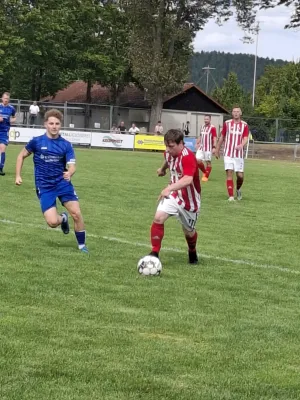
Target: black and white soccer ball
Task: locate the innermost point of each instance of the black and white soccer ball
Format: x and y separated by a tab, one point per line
149	266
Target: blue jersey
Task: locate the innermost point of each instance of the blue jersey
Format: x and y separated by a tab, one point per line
50	158
6	112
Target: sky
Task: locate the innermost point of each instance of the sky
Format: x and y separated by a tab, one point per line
273	41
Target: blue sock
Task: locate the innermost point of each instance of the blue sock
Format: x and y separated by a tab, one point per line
2	160
80	236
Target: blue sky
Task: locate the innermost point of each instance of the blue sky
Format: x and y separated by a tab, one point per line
274	41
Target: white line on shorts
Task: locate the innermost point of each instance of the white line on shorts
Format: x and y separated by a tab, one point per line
168	249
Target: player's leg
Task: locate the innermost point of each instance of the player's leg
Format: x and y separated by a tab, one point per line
229	168
48	206
52	217
188	220
239	169
3	146
165	209
200	158
208	166
73	208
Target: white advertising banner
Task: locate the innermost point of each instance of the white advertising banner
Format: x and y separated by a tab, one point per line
112	140
23	135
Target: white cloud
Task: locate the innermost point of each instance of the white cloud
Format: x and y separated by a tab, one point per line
274	41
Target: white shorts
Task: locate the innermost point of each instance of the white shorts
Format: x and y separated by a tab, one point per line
203	155
187	218
235	164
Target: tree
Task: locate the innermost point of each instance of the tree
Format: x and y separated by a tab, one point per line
231	93
161	39
278	92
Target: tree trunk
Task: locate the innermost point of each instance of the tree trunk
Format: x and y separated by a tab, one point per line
156	110
115	91
33	84
89	91
39	85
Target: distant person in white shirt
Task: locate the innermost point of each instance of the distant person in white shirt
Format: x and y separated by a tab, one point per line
33	113
134	130
159	129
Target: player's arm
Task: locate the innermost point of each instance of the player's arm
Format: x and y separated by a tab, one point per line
198	142
214	139
13	117
20	160
221	140
163	169
244	139
71	167
189	166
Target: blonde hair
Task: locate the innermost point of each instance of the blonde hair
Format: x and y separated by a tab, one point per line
53	113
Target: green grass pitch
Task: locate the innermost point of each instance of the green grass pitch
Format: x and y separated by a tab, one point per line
84	328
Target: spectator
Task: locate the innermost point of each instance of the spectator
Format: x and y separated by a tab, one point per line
186	128
33	113
114	129
134	130
159	129
122	127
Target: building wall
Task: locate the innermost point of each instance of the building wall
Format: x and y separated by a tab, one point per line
177	119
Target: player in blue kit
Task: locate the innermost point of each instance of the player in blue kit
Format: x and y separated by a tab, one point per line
54	166
7	117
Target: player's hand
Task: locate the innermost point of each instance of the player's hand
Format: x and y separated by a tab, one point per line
239	147
164	194
67	176
1	119
161	172
18	180
213	151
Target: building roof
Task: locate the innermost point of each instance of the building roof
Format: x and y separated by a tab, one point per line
132	96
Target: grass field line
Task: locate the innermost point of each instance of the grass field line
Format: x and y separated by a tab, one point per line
168	249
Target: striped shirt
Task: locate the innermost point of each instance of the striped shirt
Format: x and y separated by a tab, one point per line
207	133
185	164
234	132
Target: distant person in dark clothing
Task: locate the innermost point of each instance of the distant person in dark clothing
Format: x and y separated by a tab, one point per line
186	128
122	127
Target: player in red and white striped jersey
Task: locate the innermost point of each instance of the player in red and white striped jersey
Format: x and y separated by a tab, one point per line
235	133
206	145
181	198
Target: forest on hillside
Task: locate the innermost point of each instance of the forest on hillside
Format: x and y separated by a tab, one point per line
241	64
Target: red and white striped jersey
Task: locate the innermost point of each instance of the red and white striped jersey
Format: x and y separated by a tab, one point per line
234	132
185	164
207	133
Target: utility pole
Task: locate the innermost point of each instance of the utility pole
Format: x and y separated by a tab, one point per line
257	29
207	72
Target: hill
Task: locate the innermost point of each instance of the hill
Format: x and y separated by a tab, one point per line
241	64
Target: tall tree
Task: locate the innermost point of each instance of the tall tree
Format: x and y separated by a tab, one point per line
231	93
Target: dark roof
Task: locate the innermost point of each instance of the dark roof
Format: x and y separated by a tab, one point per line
192	98
134	97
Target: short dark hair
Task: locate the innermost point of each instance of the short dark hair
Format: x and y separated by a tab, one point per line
53	113
174	135
207	115
159	122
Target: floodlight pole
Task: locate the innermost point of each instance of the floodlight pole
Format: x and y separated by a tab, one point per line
257	29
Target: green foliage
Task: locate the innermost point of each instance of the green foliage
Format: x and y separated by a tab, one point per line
231	93
241	64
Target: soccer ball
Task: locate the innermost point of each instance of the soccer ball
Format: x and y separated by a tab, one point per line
149	265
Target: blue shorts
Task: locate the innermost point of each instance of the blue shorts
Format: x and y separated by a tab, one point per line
64	191
4	139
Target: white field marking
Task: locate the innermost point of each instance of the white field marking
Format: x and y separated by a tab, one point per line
168	249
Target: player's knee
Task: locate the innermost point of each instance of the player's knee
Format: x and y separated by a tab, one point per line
52	222
76	215
159	219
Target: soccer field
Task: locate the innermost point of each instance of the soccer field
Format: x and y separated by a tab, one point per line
83	327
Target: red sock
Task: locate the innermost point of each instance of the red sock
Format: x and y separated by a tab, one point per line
230	187
157	234
192	241
208	171
201	166
239	182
